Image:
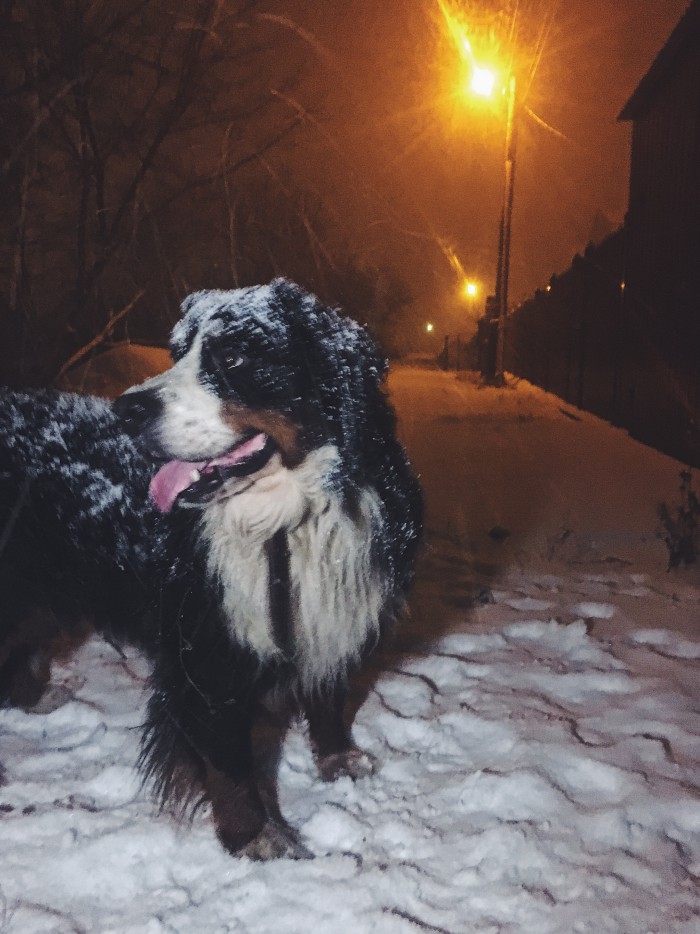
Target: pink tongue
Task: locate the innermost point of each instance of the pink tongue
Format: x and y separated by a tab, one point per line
171	480
176	476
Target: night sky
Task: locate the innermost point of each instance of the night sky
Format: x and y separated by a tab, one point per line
411	169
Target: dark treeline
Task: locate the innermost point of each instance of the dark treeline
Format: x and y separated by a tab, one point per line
148	150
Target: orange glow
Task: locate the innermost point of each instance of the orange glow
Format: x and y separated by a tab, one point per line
456	30
454	262
481	79
430	327
469	288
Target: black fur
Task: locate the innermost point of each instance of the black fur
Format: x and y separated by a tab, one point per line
80	538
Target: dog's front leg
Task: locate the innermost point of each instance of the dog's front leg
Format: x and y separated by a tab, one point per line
237	809
243	825
335	752
192	734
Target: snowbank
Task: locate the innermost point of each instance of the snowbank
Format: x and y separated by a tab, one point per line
113	371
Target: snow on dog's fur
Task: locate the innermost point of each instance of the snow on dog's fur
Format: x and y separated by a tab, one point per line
248	517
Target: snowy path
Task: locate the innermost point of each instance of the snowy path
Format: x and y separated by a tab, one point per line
537	729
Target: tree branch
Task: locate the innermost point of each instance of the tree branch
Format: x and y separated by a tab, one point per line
96	341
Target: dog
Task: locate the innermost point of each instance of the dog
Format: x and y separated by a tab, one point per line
248	518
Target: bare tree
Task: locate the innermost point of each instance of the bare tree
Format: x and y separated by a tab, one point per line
116	110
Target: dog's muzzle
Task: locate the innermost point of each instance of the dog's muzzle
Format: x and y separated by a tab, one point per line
189	483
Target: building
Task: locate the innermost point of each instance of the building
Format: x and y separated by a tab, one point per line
619	332
663	221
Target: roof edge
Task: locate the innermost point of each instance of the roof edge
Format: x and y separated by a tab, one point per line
687	28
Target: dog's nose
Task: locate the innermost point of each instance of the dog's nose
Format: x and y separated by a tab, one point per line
137	409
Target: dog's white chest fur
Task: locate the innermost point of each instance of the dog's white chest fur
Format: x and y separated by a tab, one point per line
336	596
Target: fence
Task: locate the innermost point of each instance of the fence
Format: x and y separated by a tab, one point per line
459	352
586	340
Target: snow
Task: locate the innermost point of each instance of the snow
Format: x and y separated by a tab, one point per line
255	303
535	724
260	307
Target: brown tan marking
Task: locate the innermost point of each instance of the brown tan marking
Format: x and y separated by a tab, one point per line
284	432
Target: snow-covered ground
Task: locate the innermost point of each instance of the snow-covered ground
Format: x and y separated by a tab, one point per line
536	724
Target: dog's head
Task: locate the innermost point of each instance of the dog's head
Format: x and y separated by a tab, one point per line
261	377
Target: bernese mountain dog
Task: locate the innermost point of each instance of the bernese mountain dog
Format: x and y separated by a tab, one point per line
248	518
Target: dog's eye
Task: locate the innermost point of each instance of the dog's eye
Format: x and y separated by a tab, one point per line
223	367
230	361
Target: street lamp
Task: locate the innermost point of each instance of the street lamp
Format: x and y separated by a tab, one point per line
470	293
483	82
503	270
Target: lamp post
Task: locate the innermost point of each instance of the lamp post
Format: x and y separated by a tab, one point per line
503	270
483	82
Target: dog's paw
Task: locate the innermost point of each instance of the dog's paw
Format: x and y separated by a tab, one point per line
276	841
354	763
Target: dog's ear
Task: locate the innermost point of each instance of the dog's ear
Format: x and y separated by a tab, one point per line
338	342
188	302
184	329
343	371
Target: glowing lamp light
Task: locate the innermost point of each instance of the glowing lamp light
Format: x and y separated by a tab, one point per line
483	81
471	289
430	327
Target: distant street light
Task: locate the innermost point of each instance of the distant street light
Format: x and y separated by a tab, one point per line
430	327
470	291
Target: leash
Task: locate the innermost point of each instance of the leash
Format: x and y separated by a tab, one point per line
277	549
